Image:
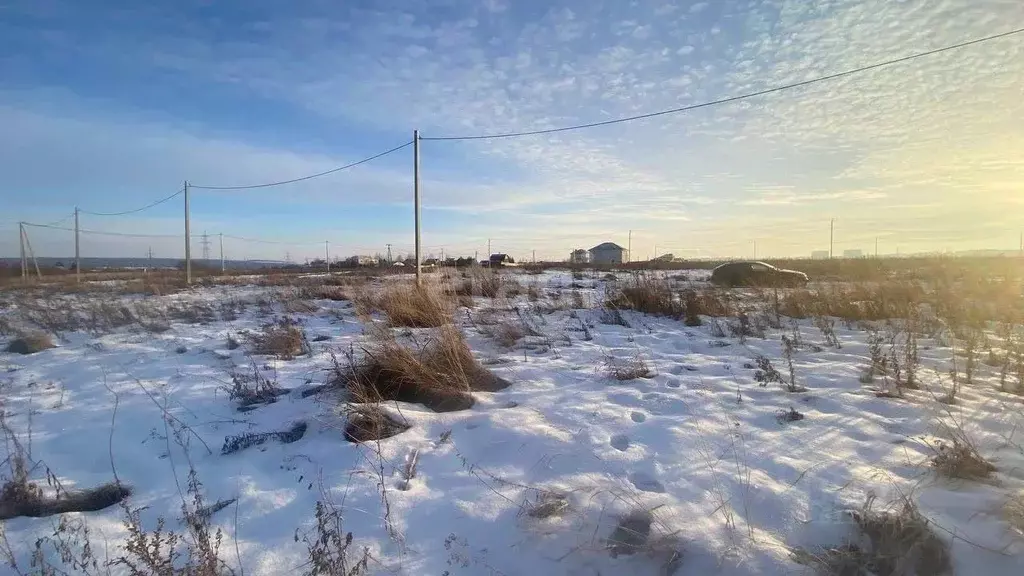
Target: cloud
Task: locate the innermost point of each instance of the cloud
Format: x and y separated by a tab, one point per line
943	129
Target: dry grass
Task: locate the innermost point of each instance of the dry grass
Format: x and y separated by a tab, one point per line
655	295
488	283
369	422
30	343
960	459
283	339
897	541
628	369
410	306
1014	512
440	374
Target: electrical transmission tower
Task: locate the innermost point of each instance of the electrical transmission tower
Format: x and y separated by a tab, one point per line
206	246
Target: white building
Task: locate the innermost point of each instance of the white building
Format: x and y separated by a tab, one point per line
607	253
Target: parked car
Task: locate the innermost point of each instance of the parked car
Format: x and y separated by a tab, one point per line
756	274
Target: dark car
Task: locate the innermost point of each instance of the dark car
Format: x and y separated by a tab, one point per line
756	274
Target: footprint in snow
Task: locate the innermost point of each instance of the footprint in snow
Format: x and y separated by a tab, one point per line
620	442
638	417
646	482
673	383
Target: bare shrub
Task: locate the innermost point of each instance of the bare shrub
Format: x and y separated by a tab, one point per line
692	308
164	552
284	339
505	333
30	343
328	547
252	387
410	306
613	316
440	374
766	373
788	351
488	284
827	326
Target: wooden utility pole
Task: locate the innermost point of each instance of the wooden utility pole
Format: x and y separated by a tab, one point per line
78	254
221	238
21	242
327	250
188	241
416	199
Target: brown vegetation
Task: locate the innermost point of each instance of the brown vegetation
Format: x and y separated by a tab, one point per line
440	374
410	306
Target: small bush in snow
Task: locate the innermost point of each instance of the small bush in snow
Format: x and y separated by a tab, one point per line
284	340
30	343
827	326
766	373
959	458
629	369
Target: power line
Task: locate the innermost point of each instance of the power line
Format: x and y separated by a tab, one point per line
310	177
733	98
99	233
277	242
146	207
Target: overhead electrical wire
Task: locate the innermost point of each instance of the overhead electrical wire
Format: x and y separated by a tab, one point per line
97	232
303	178
732	98
146	207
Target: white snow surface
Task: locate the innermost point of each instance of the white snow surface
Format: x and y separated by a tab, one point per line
698	445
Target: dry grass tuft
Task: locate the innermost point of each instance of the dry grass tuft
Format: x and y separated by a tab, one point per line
960	459
629	369
893	542
1014	512
410	306
30	343
441	374
369	422
284	340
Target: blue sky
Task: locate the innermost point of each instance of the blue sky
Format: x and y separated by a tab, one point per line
111	105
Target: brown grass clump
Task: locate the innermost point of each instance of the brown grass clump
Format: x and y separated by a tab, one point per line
30	343
367	423
893	542
647	293
960	459
410	306
629	369
284	340
1014	512
441	374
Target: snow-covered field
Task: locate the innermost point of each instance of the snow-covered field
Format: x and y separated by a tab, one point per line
534	479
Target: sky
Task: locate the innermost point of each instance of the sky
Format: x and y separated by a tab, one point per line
111	105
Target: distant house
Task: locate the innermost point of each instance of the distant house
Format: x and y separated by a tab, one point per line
579	256
362	261
853	254
607	253
820	255
497	260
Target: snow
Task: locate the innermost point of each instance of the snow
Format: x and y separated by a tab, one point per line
698	446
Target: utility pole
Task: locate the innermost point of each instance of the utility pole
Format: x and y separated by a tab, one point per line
78	259
221	237
188	241
206	245
327	250
831	236
876	246
755	249
21	242
489	248
629	247
534	256
389	254
416	198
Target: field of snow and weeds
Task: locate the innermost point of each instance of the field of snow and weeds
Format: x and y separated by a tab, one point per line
554	423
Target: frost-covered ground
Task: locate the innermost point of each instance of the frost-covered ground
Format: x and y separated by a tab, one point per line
533	479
